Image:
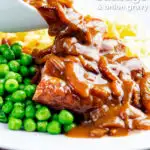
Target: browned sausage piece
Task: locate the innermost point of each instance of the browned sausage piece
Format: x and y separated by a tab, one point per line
104	68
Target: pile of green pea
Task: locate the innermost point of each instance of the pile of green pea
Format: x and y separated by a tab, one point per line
16	92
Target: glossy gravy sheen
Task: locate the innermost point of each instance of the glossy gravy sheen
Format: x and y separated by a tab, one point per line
85	132
88	73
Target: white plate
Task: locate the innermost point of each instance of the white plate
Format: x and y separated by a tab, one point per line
35	141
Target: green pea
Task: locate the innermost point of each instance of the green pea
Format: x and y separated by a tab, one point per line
29	102
27	81
3	60
21	87
69	127
43	114
1	101
54	127
42	126
29	125
65	117
4	47
13	75
34	85
2	89
38	106
29	90
8	98
24	71
30	111
9	54
4	69
14	124
26	59
16	48
2	81
14	66
19	104
32	70
7	107
19	61
10	75
3	117
55	117
19	96
18	112
11	85
18	77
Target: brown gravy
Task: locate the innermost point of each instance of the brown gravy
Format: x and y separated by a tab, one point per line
91	75
85	131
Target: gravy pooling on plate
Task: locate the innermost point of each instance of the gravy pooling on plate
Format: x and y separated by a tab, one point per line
89	74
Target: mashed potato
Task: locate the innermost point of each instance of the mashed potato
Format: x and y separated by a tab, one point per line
30	40
133	36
